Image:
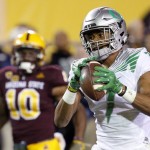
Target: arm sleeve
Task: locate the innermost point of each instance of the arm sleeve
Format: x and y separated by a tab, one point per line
58	77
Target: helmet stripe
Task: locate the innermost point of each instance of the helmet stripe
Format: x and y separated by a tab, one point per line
28	36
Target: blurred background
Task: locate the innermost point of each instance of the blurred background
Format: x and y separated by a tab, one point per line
60	22
49	16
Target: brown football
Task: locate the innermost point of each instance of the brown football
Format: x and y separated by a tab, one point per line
87	81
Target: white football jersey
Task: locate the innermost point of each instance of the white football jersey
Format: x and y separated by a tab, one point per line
119	125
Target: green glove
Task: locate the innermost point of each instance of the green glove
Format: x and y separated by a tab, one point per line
75	72
107	77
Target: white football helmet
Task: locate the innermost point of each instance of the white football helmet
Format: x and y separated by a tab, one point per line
109	23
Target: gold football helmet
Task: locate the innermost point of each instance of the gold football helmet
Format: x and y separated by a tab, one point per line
28	49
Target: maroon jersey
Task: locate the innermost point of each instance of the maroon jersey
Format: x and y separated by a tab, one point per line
30	101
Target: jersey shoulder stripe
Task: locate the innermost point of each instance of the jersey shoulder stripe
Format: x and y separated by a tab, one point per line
127	60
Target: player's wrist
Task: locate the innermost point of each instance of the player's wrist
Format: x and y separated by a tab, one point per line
71	89
74	85
122	90
128	94
69	97
79	142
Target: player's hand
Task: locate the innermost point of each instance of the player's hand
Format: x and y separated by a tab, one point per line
75	71
108	78
77	145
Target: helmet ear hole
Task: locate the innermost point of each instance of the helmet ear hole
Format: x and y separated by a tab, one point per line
120	24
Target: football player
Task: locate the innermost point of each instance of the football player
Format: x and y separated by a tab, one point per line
122	115
27	92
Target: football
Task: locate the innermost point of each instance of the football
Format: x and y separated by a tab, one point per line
87	81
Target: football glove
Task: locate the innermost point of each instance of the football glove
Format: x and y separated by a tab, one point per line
75	72
77	145
107	77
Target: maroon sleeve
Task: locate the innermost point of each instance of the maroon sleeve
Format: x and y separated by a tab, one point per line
57	76
1	82
2	91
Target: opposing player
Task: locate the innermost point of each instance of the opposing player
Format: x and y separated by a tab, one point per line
122	115
27	92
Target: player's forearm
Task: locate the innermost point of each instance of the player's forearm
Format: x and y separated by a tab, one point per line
63	113
79	121
139	100
142	103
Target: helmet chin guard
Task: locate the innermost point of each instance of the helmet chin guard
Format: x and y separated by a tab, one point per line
27	66
101	54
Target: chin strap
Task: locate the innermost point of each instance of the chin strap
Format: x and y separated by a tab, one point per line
27	66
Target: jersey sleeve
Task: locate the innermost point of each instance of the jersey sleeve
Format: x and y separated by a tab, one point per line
1	82
58	77
3	106
143	62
